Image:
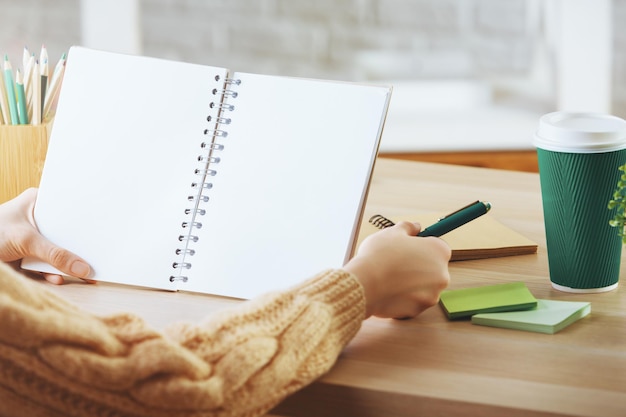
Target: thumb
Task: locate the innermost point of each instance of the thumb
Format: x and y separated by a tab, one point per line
412	229
62	259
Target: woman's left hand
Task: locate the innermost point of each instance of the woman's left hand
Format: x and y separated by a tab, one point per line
19	238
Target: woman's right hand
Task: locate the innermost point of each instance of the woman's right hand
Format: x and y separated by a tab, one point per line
402	274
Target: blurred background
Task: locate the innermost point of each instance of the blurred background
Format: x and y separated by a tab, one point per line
470	77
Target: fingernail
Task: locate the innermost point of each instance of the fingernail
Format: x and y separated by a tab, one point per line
80	269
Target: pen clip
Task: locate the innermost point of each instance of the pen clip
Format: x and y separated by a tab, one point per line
461	209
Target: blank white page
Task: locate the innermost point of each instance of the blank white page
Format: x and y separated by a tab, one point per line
290	184
121	158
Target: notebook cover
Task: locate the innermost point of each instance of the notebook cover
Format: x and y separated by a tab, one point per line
549	317
487	299
484	237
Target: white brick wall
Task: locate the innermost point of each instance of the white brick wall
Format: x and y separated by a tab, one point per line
345	39
340	39
619	57
33	22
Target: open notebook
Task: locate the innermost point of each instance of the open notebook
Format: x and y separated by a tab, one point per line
484	237
181	176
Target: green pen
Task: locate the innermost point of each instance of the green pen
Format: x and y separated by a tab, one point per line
458	218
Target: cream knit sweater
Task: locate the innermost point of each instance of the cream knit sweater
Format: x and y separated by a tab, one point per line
56	360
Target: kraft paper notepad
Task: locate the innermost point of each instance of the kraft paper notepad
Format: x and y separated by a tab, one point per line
549	316
191	177
484	237
486	299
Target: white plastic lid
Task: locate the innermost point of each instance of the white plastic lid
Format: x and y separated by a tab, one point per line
580	132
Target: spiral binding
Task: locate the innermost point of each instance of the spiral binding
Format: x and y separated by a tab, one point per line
381	221
208	160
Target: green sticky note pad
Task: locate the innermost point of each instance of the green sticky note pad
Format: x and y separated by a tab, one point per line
466	302
549	316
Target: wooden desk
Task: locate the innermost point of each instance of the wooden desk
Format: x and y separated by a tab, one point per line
516	160
430	366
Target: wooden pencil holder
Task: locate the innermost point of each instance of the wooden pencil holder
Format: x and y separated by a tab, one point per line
22	154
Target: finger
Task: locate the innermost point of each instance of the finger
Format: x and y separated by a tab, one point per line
40	247
54	279
412	229
62	259
57	279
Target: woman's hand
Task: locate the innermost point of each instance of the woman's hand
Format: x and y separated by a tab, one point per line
20	238
402	274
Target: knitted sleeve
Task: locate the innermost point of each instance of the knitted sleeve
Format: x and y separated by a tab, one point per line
56	360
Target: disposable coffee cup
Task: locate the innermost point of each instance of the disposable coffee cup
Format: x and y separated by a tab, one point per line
579	155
